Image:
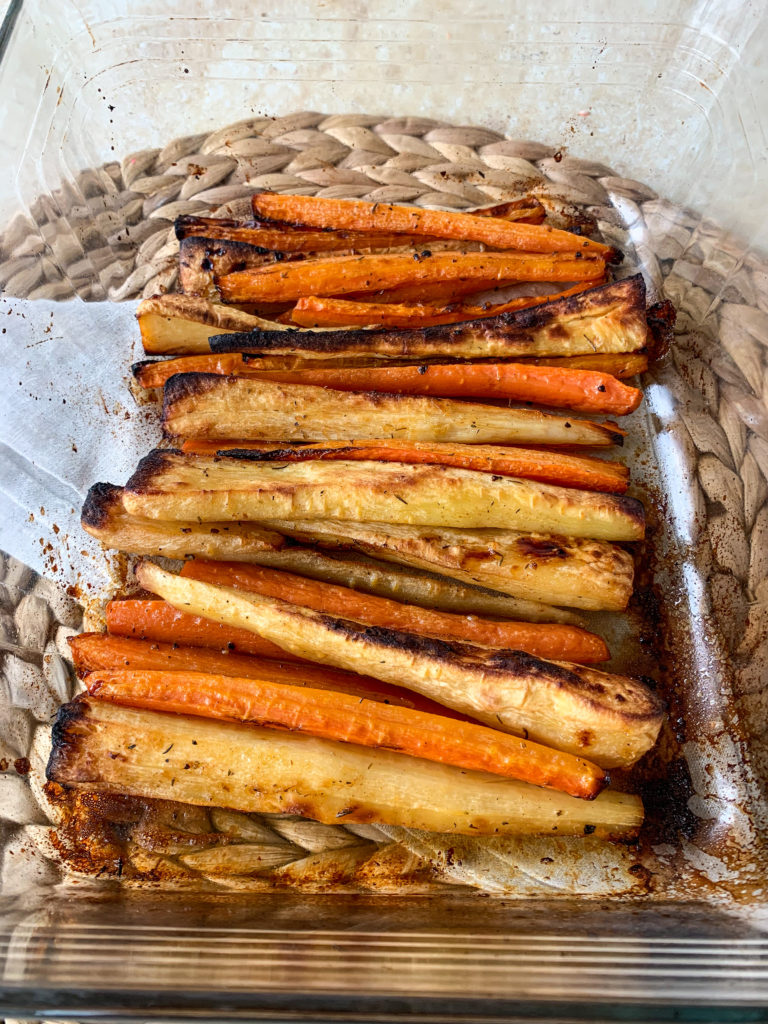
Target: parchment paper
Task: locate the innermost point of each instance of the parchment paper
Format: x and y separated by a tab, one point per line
68	420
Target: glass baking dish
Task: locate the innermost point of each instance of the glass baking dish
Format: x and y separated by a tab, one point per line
665	94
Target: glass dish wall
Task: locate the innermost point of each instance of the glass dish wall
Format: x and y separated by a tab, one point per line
662	94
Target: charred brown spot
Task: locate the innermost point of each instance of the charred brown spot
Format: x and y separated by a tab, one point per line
183	386
288	454
142	480
540	547
101	502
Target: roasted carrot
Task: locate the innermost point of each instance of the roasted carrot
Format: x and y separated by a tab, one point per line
282	282
154	374
152	619
96	651
357	215
347	719
551	467
314	311
544	640
621	365
286	239
580	390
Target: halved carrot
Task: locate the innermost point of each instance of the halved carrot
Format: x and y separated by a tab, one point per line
544	465
92	652
347	719
580	390
280	282
358	215
153	619
316	311
544	640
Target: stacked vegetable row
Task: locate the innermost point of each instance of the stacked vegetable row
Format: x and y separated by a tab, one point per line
374	618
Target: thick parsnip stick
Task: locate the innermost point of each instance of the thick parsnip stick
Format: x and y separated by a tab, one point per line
410	585
105	518
172	485
183	323
586	574
549	467
211	406
605	320
610	719
174	757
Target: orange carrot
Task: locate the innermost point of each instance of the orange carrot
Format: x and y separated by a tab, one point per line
156	620
347	719
280	282
358	215
549	467
95	651
580	390
314	311
544	640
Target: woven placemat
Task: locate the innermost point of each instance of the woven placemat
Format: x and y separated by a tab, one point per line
108	234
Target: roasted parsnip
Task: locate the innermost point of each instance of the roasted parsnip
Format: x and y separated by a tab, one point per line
607	319
586	574
612	720
209	405
173	324
105	518
409	584
101	746
172	485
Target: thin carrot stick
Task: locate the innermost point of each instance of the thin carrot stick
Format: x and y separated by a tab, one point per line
361	216
347	719
96	651
316	311
550	467
544	640
152	619
280	282
580	390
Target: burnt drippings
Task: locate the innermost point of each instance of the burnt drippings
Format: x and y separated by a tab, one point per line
661	322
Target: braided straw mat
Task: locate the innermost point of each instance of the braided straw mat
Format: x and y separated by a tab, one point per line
108	234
